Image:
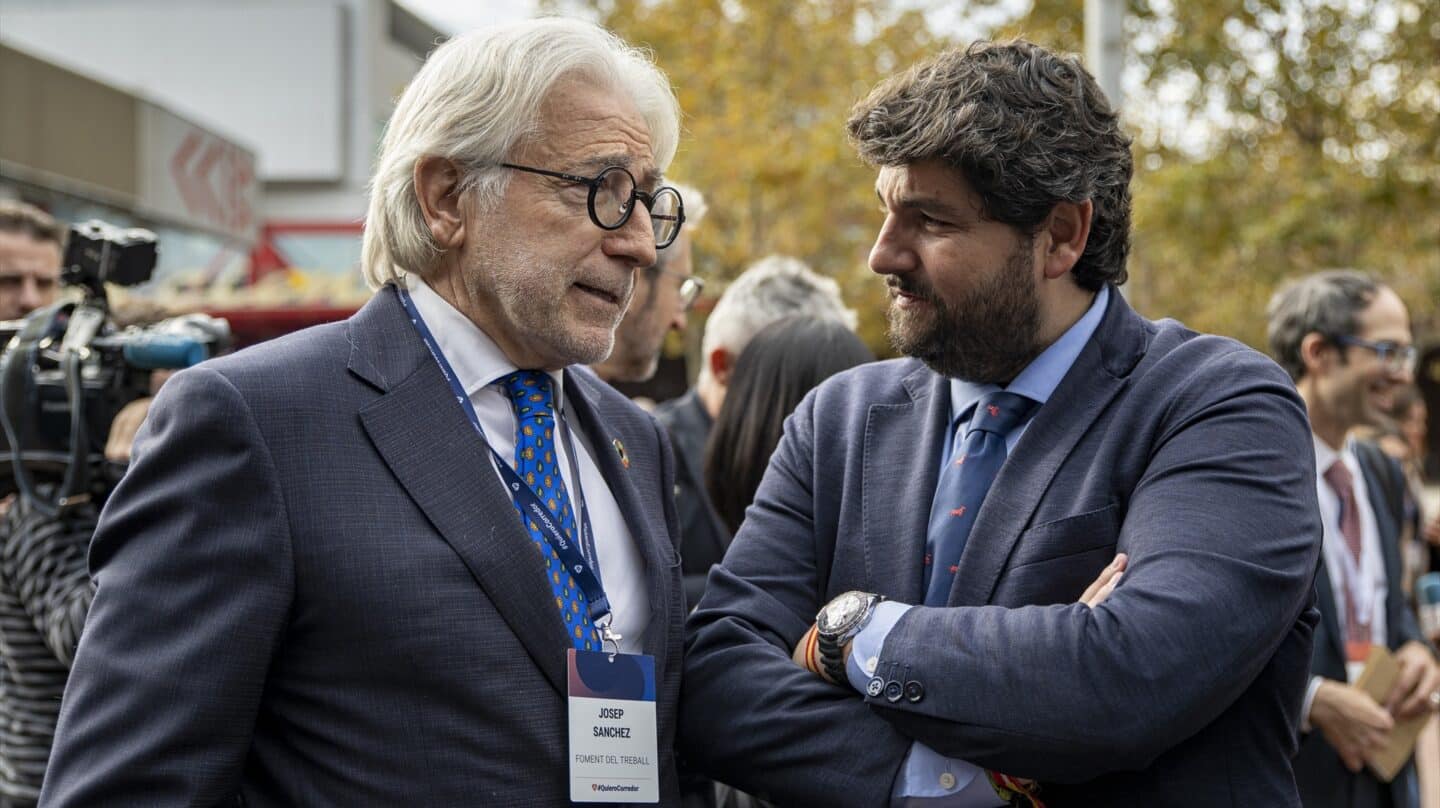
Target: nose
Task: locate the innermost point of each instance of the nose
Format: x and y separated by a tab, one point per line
679	321
634	242
29	296
892	253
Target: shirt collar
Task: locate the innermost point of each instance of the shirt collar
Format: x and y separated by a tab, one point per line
1039	378
472	354
1326	455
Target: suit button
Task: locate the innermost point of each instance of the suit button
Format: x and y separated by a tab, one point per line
914	691
875	687
947	781
893	691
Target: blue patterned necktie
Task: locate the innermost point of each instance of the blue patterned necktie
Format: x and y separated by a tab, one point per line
977	455
538	464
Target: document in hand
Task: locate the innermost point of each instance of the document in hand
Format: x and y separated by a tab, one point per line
1379	675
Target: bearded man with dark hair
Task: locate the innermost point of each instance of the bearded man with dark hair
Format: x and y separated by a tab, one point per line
960	518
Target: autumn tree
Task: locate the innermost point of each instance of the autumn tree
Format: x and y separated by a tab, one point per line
1273	137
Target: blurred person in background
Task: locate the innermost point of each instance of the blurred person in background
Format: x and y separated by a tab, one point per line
31	246
314	586
784	361
663	294
1396	435
1410	446
1402	437
44	583
770	289
1345	339
45	594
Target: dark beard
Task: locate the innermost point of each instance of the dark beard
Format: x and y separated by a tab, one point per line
987	337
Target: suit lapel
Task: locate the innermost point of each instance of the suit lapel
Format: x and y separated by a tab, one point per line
1325	597
1388	532
426	439
604	426
1099	373
901	462
697	426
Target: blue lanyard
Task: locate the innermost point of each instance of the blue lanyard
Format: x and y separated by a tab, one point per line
572	555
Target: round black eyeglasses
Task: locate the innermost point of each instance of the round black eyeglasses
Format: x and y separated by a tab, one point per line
612	199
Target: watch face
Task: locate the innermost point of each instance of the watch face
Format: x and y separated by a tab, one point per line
841	612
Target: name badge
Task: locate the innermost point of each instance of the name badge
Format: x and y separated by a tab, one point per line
612	728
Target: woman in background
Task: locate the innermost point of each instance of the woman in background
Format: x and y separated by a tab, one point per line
782	363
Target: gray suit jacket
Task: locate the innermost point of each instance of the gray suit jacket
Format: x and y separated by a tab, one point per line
1190	453
314	590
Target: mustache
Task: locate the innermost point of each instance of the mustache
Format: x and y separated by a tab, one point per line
911	286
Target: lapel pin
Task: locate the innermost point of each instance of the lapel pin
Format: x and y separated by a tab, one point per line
620	450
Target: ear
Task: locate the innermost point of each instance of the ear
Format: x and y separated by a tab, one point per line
437	183
1316	353
1067	229
721	363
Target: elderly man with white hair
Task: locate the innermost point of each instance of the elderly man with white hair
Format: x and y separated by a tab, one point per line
422	556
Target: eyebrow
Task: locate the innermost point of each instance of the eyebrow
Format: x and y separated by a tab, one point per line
651	179
927	203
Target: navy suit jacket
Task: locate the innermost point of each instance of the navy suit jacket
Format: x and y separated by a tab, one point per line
1324	780
1190	453
313	589
703	535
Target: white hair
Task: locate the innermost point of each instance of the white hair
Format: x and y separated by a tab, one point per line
695	209
773	288
694	203
474	100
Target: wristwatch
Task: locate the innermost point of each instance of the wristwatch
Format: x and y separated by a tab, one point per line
837	624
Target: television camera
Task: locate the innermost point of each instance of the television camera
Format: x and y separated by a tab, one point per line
67	369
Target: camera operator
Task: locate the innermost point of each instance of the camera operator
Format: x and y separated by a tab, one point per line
35	644
44	584
45	528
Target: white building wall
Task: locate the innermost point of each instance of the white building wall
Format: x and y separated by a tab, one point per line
308	83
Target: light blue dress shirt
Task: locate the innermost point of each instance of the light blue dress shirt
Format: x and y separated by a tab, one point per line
928	778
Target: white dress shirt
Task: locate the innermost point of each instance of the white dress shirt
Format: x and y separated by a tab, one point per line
1371	569
478	364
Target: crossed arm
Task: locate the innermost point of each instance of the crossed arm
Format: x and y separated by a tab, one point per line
1205	604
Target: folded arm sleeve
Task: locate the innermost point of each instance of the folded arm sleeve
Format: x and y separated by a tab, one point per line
750	716
194	579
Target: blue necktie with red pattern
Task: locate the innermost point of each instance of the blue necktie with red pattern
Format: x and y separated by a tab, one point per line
977	455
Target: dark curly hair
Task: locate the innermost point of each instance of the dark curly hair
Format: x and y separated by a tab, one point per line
1028	128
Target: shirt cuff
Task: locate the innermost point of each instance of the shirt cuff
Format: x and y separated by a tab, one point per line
865	648
929	779
1308	703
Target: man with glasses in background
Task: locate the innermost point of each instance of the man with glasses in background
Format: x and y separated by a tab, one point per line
664	293
366	564
1345	340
